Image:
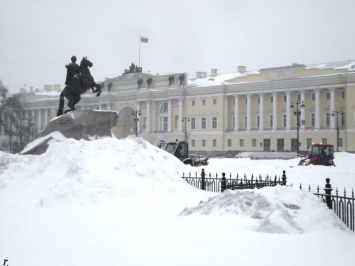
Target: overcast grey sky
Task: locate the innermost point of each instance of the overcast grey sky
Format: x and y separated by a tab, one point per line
38	37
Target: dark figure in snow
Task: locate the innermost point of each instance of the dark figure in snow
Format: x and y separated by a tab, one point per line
72	70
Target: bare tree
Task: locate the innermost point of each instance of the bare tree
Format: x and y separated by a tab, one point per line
12	120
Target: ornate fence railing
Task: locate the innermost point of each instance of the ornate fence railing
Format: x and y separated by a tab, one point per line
219	184
343	206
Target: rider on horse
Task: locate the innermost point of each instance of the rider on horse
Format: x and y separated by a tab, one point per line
73	69
78	81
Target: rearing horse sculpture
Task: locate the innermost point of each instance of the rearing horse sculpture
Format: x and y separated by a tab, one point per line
80	84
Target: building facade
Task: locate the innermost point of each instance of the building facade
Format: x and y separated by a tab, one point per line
274	109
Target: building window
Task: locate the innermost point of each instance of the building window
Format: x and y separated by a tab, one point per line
203	143
328	95
193	103
245	121
285	120
176	122
271	120
203	101
343	94
313	97
259	100
258	121
214	122
342	119
327	119
324	141
241	143
163	108
309	143
313	120
233	122
203	123
214	101
340	142
229	143
193	123
164	123
246	100
285	98
299	97
193	143
253	142
271	99
214	143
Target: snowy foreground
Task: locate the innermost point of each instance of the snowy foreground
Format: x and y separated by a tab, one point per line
123	202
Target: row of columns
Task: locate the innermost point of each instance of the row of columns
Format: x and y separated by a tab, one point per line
152	119
288	110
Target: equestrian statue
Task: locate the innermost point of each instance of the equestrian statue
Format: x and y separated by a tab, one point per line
78	81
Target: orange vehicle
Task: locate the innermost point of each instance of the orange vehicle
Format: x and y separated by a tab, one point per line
320	154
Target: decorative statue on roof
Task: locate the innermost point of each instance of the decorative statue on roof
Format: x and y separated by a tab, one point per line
182	78
171	79
133	69
78	81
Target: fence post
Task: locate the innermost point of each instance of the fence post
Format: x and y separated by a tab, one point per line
284	178
223	182
328	191
203	180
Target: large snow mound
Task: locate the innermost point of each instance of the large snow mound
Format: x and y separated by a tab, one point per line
77	172
278	209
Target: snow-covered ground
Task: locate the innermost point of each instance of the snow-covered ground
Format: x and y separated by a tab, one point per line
123	202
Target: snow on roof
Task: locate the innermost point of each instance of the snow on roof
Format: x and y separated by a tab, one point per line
348	65
219	79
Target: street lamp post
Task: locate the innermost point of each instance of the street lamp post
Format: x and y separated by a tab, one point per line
136	119
298	113
184	119
337	125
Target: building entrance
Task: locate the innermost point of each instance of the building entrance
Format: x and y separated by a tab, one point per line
280	144
126	125
266	144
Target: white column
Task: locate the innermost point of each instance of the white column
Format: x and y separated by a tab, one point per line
303	111
169	115
248	111
274	110
317	124
288	110
154	124
261	111
225	111
332	107
45	117
148	117
138	106
39	120
180	115
236	113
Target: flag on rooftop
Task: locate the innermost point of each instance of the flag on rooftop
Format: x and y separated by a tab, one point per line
144	39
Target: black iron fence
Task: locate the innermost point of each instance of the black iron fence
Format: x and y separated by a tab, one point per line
219	184
343	206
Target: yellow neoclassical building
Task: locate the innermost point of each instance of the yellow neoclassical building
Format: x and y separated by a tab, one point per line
270	109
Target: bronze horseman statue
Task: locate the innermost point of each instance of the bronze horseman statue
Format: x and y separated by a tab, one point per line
77	82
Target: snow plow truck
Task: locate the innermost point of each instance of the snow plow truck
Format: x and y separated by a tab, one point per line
320	154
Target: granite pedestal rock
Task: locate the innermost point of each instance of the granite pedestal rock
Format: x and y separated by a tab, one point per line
79	124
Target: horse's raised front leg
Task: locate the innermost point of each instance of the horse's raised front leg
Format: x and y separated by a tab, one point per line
98	90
